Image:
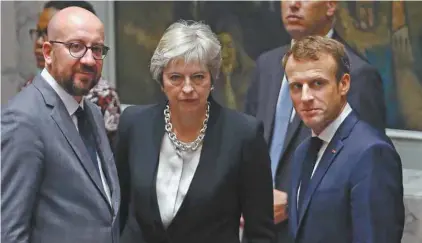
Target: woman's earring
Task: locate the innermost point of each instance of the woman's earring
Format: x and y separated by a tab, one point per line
212	87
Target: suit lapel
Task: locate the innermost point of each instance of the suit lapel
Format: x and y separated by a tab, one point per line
333	149
291	131
207	160
106	158
296	171
63	120
149	164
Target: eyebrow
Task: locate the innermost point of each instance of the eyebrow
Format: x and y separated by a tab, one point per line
320	79
200	72
196	73
82	41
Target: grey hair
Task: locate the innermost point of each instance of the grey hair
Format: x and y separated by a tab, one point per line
188	40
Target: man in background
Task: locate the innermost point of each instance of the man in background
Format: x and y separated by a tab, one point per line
268	97
102	94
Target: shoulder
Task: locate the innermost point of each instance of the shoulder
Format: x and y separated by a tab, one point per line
358	62
373	154
24	111
134	113
365	137
240	123
27	102
273	55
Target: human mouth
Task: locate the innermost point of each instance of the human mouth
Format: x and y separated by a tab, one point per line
293	18
310	112
189	100
88	74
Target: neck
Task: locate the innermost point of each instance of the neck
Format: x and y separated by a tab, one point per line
319	130
78	99
321	32
187	125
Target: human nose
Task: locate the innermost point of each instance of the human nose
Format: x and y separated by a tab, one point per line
306	93
88	58
187	86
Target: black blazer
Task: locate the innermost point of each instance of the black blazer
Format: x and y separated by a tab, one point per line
365	96
233	178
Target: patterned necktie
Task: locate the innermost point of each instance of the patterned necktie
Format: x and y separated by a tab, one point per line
308	166
85	131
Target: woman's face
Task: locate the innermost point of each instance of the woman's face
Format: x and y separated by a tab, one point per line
186	85
228	52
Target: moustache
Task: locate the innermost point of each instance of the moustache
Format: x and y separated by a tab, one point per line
87	69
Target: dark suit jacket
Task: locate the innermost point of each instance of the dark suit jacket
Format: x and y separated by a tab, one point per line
365	96
233	178
51	191
356	192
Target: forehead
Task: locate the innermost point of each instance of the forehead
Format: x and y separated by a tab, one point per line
302	70
77	29
180	66
225	37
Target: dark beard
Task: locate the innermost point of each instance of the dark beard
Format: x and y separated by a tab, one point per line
70	88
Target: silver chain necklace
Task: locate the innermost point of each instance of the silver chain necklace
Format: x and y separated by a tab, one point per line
192	146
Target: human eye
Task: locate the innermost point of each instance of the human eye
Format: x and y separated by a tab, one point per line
98	49
176	79
295	86
76	47
198	78
317	83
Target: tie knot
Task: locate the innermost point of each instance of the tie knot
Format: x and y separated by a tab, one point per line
316	143
79	113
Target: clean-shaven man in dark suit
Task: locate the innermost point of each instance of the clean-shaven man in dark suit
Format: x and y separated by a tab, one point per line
58	177
268	99
347	177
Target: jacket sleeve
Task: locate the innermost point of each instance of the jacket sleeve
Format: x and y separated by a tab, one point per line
377	208
21	174
256	190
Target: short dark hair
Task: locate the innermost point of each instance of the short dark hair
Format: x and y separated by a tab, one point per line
311	47
59	5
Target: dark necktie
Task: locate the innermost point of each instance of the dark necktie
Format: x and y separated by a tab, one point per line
308	167
87	135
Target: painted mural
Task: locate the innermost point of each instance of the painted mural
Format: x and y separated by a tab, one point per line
389	34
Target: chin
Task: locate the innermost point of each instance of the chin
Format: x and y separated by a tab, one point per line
312	123
296	32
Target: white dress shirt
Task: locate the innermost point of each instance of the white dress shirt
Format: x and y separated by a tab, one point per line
174	176
71	107
327	134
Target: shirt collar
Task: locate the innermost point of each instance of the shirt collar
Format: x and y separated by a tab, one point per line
68	100
329	35
328	133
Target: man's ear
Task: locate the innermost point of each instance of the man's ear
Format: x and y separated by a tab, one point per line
331	8
47	51
344	84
